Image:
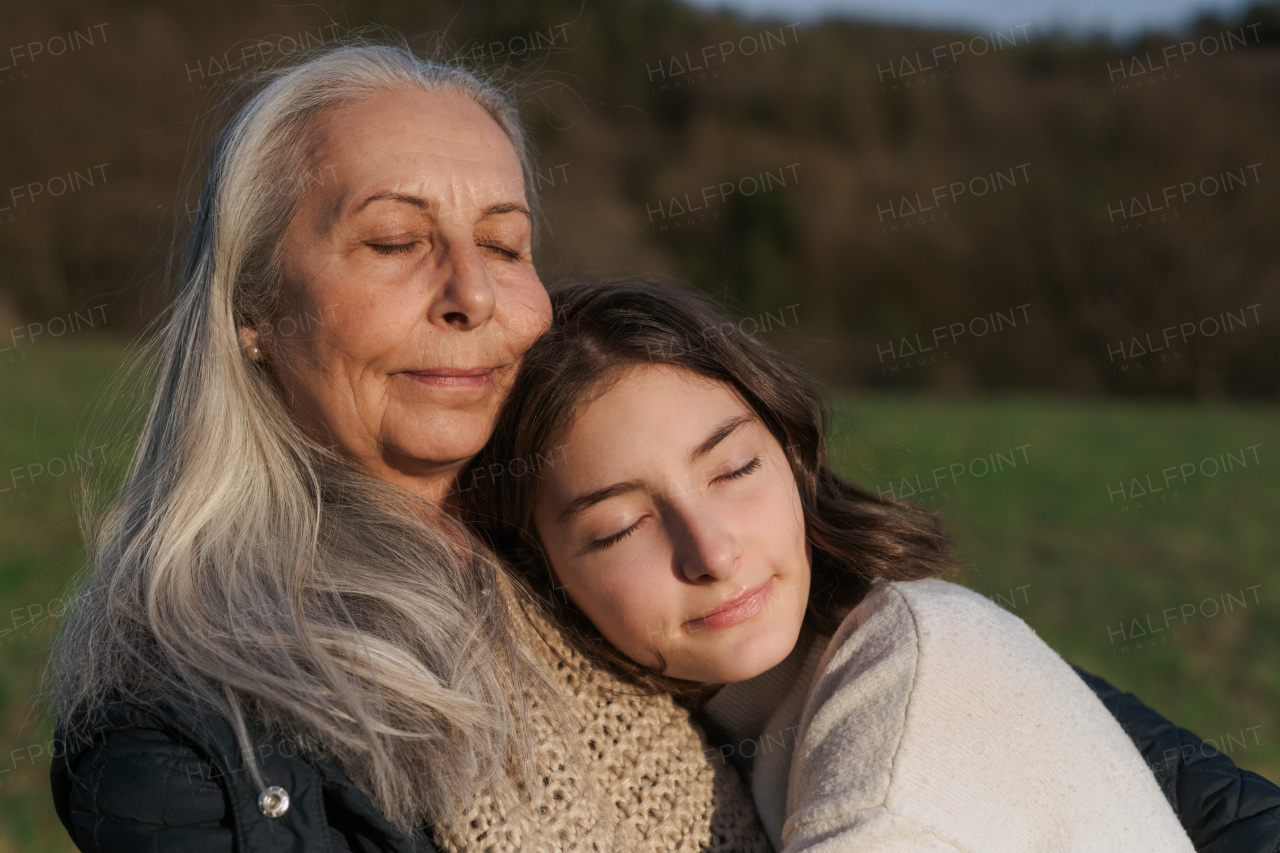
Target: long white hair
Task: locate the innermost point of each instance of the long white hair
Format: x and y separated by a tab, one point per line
244	566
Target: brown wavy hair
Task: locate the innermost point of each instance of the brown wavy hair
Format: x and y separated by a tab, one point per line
601	328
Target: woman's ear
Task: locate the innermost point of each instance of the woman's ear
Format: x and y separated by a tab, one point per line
250	343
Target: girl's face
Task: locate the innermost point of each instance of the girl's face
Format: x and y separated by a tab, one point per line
674	524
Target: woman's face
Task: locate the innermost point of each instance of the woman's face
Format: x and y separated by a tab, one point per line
409	289
675	525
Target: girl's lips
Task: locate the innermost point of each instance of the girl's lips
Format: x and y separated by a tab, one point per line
733	612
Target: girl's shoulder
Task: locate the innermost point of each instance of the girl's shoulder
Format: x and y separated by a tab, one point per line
930	611
934	706
923	649
931	594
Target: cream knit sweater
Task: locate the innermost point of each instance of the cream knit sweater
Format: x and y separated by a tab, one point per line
935	721
638	776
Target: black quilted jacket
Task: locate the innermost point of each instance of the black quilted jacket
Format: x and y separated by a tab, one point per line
166	779
1223	808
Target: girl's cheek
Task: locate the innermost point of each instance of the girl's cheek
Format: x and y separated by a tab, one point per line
592	591
634	612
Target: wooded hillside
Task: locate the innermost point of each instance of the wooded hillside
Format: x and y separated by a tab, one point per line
1001	210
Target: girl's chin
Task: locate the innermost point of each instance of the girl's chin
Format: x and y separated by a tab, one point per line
741	664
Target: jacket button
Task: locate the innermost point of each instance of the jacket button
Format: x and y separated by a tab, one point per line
273	801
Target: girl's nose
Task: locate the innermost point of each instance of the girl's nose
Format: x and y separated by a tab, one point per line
706	549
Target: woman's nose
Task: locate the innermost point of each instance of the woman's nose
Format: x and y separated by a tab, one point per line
465	297
706	549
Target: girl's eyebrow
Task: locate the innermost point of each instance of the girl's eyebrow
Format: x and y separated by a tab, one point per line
582	503
722	432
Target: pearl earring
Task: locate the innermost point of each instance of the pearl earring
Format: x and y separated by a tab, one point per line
254	353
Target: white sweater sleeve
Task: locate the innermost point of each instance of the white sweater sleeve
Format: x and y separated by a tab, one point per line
938	721
880	831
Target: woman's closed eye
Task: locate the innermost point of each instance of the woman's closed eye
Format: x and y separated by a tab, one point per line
501	251
393	248
400	248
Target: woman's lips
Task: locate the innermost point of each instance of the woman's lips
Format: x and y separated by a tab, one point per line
449	377
732	612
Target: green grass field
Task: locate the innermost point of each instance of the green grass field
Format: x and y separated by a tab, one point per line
1171	595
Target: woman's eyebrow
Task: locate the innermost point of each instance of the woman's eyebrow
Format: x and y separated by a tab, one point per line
507	207
387	195
718	435
427	205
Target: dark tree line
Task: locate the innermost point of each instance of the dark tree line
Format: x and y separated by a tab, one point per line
897	192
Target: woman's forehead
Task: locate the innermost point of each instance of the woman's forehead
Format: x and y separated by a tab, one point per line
438	146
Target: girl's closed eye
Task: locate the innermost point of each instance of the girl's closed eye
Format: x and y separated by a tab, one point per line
609	541
613	539
749	468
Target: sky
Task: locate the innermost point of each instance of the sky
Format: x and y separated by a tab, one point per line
1119	18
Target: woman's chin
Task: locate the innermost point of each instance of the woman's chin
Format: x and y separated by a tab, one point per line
440	439
432	468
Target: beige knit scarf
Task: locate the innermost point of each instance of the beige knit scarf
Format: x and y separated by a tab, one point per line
639	776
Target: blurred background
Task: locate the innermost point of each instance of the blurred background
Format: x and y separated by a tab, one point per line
1024	245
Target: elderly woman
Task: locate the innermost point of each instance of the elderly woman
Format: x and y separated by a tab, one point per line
285	640
282	642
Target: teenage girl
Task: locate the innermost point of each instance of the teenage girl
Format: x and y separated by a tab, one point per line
666	489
